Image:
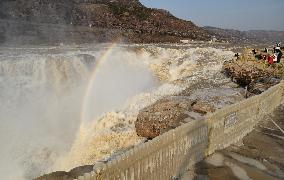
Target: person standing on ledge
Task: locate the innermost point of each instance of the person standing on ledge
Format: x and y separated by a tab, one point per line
279	53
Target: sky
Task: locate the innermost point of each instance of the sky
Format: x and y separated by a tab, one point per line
229	14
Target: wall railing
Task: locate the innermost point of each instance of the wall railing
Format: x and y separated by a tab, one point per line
171	154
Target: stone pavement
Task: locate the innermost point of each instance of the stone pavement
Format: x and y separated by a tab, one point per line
260	155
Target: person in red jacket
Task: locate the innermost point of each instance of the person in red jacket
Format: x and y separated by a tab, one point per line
270	59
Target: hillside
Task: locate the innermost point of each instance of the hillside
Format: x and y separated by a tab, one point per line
252	36
127	19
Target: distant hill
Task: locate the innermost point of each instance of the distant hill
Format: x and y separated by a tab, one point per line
253	36
56	21
266	36
100	20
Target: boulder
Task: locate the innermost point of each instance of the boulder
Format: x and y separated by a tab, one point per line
243	73
164	115
257	75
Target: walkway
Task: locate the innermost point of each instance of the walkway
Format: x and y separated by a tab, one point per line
260	155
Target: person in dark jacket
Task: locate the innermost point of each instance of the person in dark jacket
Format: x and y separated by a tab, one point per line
265	50
279	56
237	55
254	51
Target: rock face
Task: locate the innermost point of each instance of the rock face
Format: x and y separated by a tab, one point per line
135	22
171	112
162	116
254	74
262	85
243	73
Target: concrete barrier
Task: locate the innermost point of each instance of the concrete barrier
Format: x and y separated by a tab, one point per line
171	154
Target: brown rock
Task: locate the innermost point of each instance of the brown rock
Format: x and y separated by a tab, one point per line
243	73
162	116
112	16
258	88
202	107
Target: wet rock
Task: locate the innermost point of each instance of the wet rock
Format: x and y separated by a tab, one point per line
274	81
258	88
262	85
164	115
216	97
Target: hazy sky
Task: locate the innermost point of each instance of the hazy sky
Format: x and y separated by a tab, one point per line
235	14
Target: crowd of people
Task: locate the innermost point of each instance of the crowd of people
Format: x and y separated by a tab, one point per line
271	56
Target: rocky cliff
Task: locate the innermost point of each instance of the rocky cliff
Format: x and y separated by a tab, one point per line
128	18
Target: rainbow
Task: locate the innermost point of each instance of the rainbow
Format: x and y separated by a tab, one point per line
103	57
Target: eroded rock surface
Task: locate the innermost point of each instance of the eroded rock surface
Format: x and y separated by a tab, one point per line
162	116
171	112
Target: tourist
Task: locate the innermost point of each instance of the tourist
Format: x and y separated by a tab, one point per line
279	56
275	55
265	50
237	55
270	59
258	56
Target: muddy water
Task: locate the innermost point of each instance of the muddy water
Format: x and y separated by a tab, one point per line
43	92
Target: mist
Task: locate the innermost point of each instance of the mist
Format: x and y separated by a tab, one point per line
42	95
119	76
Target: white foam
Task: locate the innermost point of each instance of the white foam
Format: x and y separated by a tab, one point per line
115	130
42	89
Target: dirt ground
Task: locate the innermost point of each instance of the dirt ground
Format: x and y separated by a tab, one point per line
260	155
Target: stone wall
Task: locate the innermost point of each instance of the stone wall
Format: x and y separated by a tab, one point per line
171	154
